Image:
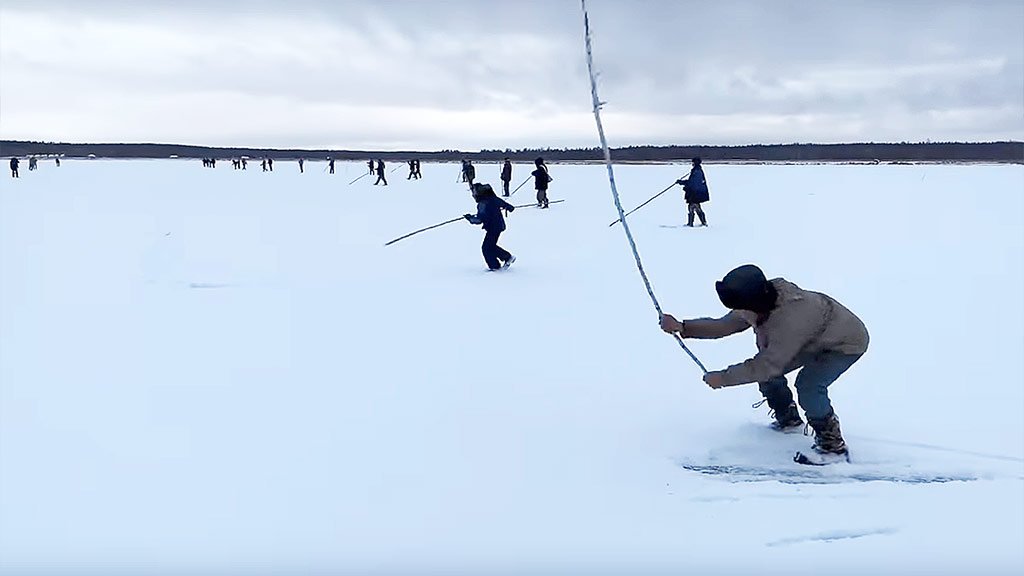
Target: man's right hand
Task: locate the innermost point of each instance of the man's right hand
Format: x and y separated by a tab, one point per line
670	325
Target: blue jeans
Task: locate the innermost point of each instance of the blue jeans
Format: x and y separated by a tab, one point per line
817	374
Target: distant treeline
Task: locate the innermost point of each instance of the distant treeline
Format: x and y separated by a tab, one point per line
1012	152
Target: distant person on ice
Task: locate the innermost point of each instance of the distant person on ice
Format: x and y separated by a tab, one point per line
488	213
270	164
506	177
412	170
301	162
541	178
330	165
416	169
468	171
370	164
380	173
695	192
14	167
793	328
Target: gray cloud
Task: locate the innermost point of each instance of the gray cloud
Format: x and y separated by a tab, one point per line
469	74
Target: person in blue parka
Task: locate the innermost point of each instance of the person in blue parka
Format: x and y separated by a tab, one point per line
488	213
695	189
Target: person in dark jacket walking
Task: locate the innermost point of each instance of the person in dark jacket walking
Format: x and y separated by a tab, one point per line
14	168
695	192
488	213
417	169
793	328
506	176
370	164
412	170
380	173
330	165
541	178
301	162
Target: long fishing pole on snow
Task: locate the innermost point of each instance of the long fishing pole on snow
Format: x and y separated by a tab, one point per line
533	205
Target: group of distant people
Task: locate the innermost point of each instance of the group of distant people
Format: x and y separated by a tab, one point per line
33	163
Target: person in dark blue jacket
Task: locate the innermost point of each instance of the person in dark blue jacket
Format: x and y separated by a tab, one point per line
488	213
695	189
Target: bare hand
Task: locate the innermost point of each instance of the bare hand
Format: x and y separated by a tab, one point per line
714	380
670	324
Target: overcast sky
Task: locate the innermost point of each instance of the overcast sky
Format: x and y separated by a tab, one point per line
472	74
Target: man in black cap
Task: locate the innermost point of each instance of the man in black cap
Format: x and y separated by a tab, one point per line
794	328
14	167
695	192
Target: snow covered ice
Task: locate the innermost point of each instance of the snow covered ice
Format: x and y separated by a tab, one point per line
214	370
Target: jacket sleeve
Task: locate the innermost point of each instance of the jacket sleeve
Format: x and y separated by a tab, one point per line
478	218
784	343
710	328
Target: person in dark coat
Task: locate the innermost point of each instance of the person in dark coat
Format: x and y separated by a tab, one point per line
380	173
468	171
14	168
488	213
417	172
541	178
506	176
370	164
695	192
330	165
301	162
412	170
270	164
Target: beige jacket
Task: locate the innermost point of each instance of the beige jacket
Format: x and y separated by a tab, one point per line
802	325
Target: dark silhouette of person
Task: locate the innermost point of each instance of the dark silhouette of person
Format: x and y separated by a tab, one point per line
468	171
270	164
301	161
488	213
14	168
541	177
418	174
330	165
380	173
506	176
263	164
370	164
57	160
412	170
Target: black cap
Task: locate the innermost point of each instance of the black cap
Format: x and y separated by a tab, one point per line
746	288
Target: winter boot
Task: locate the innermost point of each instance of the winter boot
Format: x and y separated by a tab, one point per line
787	419
828	439
689	220
703	219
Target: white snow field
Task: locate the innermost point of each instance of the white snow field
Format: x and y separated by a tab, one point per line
208	371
